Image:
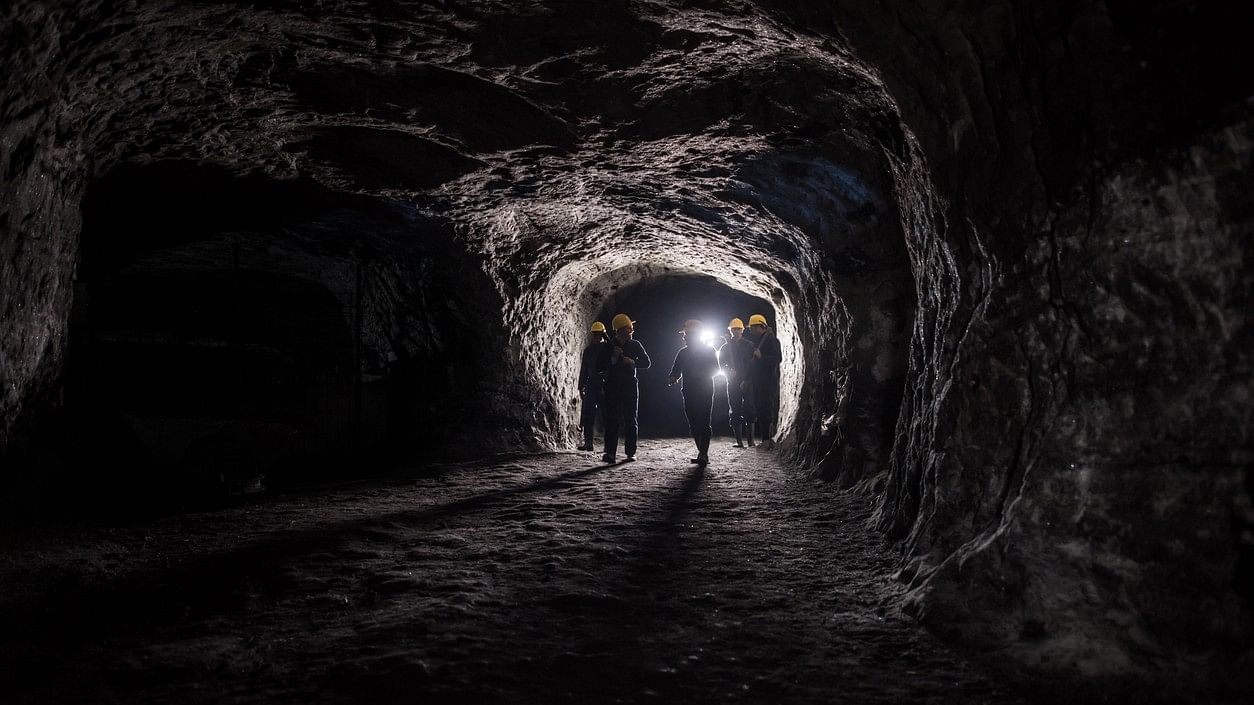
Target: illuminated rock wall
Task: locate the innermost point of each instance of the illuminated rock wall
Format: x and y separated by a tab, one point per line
1011	241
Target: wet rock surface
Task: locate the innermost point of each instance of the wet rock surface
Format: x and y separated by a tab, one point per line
541	578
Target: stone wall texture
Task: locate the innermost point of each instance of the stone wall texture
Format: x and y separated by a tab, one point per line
1007	243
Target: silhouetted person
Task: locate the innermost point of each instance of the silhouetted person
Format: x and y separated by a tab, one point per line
734	357
591	386
696	364
618	363
764	376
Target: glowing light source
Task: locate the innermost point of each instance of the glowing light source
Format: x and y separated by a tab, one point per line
708	336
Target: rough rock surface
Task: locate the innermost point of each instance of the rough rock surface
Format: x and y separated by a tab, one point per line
566	155
1010	241
536	579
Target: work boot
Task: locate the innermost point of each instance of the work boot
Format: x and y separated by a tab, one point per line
608	459
736	432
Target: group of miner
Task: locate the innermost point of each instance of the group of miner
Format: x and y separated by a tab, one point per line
748	359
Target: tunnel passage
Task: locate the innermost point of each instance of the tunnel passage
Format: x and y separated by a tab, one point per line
837	277
660	305
483	233
960	215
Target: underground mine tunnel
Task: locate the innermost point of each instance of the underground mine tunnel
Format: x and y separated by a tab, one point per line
666	300
294	296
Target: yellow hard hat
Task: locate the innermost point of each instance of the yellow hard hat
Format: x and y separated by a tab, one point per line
621	321
736	323
598	327
757	319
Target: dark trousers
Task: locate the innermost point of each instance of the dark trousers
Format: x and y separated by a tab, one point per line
588	413
621	407
739	403
766	406
698	405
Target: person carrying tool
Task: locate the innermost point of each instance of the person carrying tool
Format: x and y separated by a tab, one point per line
764	377
696	364
734	357
617	363
591	386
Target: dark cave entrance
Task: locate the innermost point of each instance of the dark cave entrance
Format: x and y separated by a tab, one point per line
206	354
660	305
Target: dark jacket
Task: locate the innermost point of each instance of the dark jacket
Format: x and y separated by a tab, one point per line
734	356
589	379
618	374
765	369
696	366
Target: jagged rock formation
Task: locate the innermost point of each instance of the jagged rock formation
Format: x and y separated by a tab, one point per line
1007	244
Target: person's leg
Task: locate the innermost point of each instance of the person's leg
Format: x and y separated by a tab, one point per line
601	411
771	417
587	418
692	413
759	405
613	413
750	412
704	426
735	408
598	417
631	421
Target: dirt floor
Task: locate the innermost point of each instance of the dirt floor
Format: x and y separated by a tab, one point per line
541	579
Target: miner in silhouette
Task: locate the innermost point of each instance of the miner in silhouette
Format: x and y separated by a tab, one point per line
617	363
696	364
734	357
591	385
764	376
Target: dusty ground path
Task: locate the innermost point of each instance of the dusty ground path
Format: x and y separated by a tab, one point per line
542	579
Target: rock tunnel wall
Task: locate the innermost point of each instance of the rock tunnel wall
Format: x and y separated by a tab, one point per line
995	233
1071	471
549	178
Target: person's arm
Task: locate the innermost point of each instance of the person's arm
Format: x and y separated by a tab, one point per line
772	353
677	371
642	358
715	366
603	359
583	371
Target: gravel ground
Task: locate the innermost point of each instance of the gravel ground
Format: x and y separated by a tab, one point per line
540	579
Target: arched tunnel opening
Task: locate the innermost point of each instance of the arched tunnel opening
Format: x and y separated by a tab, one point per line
659	305
308	285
